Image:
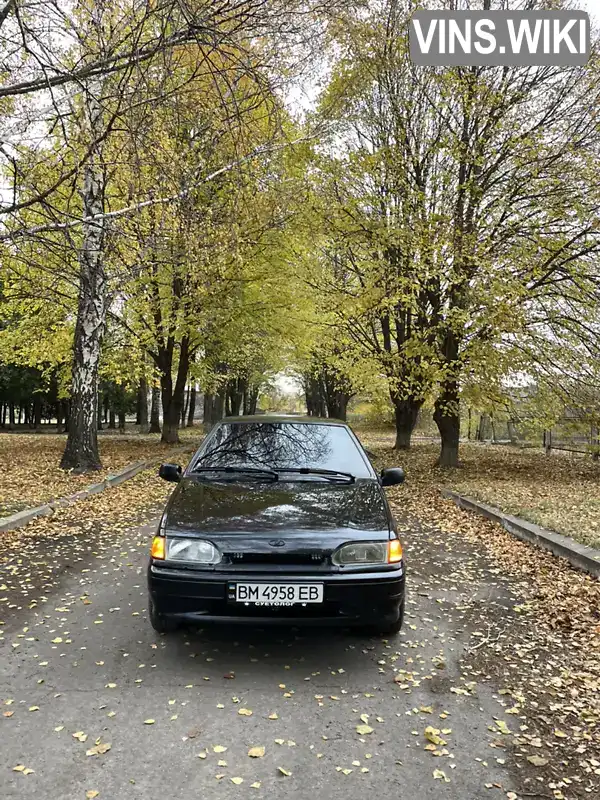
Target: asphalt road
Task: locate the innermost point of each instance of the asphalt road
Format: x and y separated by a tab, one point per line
85	660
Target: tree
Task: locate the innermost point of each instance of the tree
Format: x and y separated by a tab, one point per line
197	282
107	52
459	191
81	451
382	278
523	216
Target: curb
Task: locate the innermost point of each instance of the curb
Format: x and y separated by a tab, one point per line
22	518
578	555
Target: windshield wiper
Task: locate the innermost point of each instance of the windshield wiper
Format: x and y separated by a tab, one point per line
259	471
326	473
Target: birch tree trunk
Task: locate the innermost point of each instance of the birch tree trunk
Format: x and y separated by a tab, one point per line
81	452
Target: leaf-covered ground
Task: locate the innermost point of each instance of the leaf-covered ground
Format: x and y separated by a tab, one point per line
547	654
560	491
491	690
30	472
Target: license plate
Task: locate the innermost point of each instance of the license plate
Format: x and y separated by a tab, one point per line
278	594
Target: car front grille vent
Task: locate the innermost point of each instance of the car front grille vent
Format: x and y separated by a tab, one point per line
277	558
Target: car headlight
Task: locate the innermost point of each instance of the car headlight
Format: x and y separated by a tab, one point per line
197	550
368	553
361	553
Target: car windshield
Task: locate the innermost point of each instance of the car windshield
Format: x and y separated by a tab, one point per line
284	445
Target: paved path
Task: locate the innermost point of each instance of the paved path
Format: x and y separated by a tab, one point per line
88	662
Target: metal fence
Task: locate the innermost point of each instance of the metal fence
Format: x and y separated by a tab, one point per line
570	434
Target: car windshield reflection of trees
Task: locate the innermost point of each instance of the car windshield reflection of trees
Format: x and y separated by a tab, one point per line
284	445
290	505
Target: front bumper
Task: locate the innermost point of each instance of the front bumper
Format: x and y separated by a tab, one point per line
349	598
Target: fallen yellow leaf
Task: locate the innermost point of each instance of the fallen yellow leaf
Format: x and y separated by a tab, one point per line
22	768
432	735
363	730
537	761
98	749
256	752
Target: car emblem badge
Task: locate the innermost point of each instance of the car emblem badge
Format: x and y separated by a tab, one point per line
277	543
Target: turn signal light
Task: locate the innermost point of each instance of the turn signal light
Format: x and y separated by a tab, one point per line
394	551
158	547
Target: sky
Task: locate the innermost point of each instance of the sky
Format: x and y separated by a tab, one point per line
593	9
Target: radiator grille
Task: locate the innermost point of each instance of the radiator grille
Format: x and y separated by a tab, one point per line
277	558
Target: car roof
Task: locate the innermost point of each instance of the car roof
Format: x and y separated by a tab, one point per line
271	418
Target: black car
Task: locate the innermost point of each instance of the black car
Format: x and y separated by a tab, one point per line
278	520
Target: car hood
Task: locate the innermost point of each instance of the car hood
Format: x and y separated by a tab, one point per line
238	508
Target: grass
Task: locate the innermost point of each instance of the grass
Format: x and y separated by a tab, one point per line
30	472
558	491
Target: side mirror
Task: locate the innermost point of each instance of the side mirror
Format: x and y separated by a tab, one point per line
170	472
392	476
